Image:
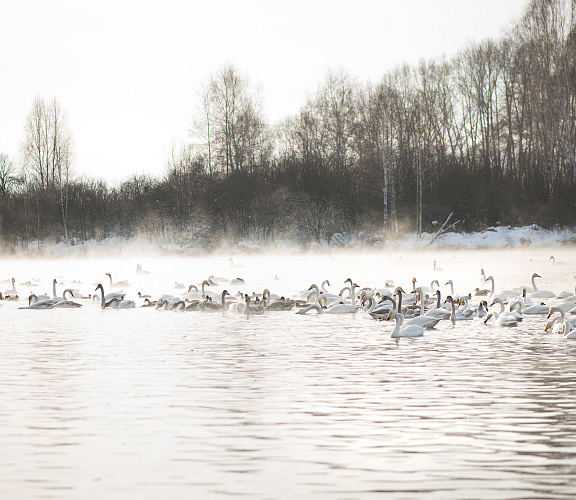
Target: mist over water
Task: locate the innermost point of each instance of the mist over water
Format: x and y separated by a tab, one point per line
144	403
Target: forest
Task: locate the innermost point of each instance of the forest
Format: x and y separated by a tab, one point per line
487	137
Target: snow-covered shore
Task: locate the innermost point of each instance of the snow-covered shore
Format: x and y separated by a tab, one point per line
492	238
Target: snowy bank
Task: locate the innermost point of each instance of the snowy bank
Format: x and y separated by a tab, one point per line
491	238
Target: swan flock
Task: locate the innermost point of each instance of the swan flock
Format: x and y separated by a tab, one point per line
413	310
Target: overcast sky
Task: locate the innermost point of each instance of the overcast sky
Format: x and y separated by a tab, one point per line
127	72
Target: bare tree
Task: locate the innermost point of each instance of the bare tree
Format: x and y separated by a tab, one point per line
7	174
47	152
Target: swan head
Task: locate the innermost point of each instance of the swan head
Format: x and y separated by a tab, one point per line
490	315
536	275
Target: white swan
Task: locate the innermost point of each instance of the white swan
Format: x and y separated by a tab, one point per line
401	330
117	284
11	291
34	303
336	309
65	303
568	331
250	309
501	319
378	309
458	315
541	294
452	294
562	312
502	295
554	263
512	312
534	309
115	302
438	311
212	306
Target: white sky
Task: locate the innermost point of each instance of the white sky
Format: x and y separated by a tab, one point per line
127	72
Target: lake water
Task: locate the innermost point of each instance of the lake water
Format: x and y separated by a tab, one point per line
147	404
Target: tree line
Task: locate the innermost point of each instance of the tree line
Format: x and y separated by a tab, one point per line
488	135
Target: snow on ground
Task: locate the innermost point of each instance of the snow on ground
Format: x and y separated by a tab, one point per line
494	237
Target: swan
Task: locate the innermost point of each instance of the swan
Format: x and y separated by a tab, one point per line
114	302
211	306
482	309
252	309
458	315
427	289
542	294
571	296
117	284
378	309
275	303
501	319
535	309
554	263
401	330
237	281
424	321
482	291
34	303
502	295
337	309
512	312
437	269
568	331
353	287
65	303
452	294
562	312
438	311
11	291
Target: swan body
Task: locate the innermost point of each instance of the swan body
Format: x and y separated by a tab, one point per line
502	295
458	315
117	284
562	318
252	309
568	331
115	302
541	294
534	309
424	321
401	330
438	311
501	319
337	309
517	315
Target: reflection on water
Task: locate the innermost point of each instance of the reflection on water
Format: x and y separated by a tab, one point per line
151	404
